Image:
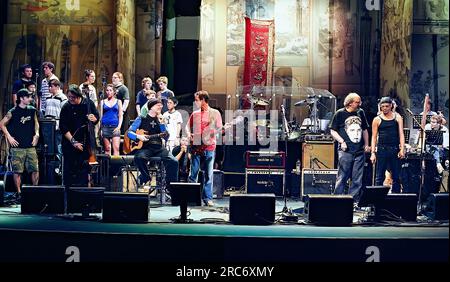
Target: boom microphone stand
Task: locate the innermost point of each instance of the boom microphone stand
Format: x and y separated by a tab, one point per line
422	160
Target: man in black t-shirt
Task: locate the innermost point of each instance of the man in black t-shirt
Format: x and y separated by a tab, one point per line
26	73
349	128
21	128
152	147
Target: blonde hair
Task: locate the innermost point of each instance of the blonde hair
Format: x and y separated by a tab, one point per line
350	98
145	80
163	79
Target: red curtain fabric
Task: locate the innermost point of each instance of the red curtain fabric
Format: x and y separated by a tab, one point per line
259	49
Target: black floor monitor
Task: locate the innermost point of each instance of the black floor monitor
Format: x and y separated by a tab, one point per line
85	200
42	199
372	196
184	195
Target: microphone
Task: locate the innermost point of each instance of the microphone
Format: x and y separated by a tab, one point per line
409	111
313	180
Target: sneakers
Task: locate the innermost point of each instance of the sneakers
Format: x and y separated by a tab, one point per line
209	203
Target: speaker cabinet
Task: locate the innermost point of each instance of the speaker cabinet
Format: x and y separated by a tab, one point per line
318	155
318	181
398	205
125	207
218	184
42	199
329	210
264	181
48	136
2	193
252	209
439	206
128	180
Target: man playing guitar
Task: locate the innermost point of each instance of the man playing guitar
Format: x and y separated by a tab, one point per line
201	129
152	147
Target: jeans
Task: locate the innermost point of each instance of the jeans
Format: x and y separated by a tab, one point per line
209	172
350	166
387	159
170	163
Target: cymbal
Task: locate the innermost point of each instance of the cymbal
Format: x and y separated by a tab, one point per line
260	102
307	101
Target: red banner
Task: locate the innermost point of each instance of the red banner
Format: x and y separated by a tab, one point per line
259	50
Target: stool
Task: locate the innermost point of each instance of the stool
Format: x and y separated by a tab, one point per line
158	165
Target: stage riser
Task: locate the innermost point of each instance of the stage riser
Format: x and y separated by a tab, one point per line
42	246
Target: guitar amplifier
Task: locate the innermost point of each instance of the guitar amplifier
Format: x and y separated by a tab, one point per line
264	181
318	181
263	159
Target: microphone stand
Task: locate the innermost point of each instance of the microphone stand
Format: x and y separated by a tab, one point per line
422	161
286	134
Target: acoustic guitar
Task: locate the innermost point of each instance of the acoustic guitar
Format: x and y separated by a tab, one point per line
130	145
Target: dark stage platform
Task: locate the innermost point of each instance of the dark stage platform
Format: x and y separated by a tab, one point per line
211	238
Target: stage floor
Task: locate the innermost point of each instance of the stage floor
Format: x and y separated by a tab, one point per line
212	238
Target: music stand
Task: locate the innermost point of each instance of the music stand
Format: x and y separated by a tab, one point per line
434	137
417	121
372	197
407	134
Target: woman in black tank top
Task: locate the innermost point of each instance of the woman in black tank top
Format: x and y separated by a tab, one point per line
388	142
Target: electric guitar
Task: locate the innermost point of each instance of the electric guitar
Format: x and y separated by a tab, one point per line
130	145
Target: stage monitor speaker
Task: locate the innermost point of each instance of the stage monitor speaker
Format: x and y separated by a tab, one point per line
439	206
42	199
48	136
264	181
2	193
318	155
218	184
396	206
125	207
318	181
252	209
329	210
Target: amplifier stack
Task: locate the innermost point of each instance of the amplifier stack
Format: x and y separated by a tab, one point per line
264	172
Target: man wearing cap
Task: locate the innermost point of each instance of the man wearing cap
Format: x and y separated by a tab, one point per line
73	125
388	143
152	147
21	128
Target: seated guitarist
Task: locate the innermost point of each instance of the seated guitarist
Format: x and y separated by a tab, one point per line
152	147
201	129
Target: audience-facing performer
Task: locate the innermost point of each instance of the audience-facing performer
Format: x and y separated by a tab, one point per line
144	94
48	68
111	117
349	128
164	93
21	128
73	124
181	153
123	95
89	82
388	144
173	120
26	75
152	144
202	128
53	110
